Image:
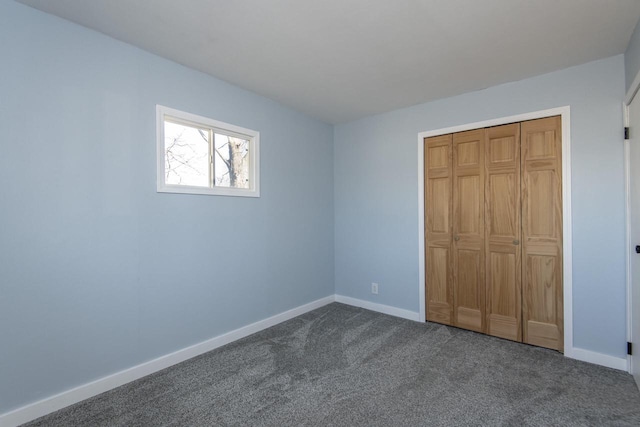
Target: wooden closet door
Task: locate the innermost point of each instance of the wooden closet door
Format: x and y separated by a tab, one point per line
438	227
542	233
468	230
502	231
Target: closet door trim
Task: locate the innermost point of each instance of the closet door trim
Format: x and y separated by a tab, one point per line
567	279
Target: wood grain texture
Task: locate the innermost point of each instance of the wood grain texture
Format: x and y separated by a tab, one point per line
493	231
503	232
468	230
542	233
438	229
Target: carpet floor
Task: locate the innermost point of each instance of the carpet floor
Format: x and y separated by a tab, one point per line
345	366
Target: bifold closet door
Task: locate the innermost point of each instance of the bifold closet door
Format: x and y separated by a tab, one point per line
502	230
468	230
438	227
542	311
493	231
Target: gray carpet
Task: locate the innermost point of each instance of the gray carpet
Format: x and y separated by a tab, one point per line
345	366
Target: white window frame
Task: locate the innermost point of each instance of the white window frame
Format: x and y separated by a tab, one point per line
218	127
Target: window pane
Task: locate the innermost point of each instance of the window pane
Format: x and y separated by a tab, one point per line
232	161
186	155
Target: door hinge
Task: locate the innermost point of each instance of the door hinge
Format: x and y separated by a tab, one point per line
626	132
629	348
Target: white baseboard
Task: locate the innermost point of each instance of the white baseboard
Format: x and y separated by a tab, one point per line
597	358
381	308
43	407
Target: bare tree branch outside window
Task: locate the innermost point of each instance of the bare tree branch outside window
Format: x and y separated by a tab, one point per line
187	157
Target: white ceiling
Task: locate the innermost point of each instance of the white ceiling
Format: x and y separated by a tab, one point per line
339	60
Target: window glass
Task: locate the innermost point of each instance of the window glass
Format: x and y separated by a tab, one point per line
186	155
232	161
198	155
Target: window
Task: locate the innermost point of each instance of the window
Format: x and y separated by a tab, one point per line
198	155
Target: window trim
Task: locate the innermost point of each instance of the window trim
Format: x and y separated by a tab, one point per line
216	126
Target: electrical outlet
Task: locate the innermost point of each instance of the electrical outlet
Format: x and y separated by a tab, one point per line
374	288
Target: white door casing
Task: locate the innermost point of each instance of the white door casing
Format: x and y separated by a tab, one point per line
633	239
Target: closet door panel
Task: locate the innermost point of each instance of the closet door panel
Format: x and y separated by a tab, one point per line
503	203
468	230
503	232
503	318
542	233
440	189
468	194
438	228
438	285
469	285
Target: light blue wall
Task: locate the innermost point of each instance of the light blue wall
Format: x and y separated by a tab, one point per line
98	272
632	57
376	193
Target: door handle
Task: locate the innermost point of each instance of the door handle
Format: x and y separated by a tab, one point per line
638	249
516	242
456	238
